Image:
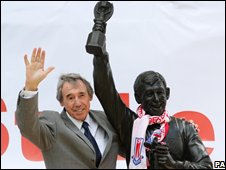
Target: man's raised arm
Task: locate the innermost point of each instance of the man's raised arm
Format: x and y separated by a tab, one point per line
27	105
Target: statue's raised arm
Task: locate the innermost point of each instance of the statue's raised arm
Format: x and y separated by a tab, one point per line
104	86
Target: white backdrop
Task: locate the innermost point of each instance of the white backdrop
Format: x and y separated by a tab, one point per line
185	41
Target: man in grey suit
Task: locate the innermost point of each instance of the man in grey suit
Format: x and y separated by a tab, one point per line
76	138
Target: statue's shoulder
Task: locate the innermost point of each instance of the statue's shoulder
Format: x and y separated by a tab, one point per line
179	122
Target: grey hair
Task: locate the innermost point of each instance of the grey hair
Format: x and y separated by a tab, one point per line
71	78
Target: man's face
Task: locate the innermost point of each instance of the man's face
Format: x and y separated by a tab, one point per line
154	97
76	99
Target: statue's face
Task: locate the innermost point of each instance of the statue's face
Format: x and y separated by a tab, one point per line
154	97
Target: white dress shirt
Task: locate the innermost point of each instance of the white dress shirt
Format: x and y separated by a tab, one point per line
98	132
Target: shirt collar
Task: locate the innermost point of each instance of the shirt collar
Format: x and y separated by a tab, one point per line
78	123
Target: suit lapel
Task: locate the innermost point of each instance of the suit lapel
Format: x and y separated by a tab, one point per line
103	124
75	129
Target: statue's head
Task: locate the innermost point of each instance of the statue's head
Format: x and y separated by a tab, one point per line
151	92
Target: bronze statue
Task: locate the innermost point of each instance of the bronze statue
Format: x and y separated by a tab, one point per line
149	137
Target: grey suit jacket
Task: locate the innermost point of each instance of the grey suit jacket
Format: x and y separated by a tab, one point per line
62	144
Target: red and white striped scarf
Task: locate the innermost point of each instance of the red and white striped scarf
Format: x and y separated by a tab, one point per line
138	158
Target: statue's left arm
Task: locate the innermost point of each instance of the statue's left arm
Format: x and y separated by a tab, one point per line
195	154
